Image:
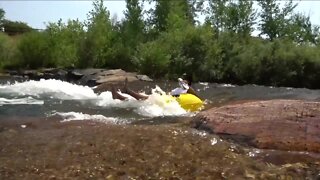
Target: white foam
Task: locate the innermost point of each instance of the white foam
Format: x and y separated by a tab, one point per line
53	88
77	116
228	85
204	83
155	105
26	100
158	105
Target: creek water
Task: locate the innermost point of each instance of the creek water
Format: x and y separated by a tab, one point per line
45	99
70	101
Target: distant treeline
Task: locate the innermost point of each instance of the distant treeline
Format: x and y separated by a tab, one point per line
167	41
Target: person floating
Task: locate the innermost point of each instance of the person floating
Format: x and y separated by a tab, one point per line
184	87
185	95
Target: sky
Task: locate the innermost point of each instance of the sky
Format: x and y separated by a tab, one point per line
38	13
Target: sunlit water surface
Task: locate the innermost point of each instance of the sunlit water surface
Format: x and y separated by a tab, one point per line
68	102
54	97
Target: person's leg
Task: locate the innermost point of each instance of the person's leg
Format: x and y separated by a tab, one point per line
116	95
136	95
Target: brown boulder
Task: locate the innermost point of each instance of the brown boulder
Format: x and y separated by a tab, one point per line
116	77
273	124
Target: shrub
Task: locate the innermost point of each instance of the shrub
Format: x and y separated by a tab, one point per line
8	51
34	50
152	58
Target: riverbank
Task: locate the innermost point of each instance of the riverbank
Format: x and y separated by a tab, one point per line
49	149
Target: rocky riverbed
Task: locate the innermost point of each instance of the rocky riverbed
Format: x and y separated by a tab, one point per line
49	149
243	133
275	124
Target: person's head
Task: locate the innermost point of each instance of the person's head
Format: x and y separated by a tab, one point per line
183	83
188	78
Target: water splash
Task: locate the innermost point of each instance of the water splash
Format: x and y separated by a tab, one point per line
26	100
77	116
158	104
52	88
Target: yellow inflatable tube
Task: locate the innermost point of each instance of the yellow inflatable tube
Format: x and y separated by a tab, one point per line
187	101
190	102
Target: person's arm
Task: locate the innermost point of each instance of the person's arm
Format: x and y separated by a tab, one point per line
192	91
177	91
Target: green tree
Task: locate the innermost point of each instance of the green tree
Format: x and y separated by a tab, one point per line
240	17
301	29
15	27
215	14
152	58
97	47
231	16
2	13
274	20
133	24
177	19
8	51
64	42
157	20
159	15
33	49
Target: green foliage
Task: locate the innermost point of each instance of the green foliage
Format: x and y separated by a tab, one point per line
301	30
169	43
133	25
215	14
274	20
240	17
152	58
97	48
231	16
8	51
188	51
2	13
159	15
15	27
64	42
33	48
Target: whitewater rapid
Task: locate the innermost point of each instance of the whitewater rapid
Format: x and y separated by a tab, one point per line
47	91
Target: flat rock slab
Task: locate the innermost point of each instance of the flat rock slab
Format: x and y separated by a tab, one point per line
273	124
88	77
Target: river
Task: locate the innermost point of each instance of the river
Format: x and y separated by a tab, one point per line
55	100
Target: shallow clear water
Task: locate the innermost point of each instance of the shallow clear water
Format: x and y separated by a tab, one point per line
47	98
54	99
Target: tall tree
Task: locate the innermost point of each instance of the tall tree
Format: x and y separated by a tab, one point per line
231	16
159	15
100	36
15	27
301	30
274	20
215	14
240	17
2	13
133	25
178	17
64	42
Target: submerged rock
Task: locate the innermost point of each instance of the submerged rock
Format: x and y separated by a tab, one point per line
273	124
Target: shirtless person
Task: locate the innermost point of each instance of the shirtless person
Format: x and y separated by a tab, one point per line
184	88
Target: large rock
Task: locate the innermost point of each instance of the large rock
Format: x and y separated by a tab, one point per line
89	77
115	75
274	124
